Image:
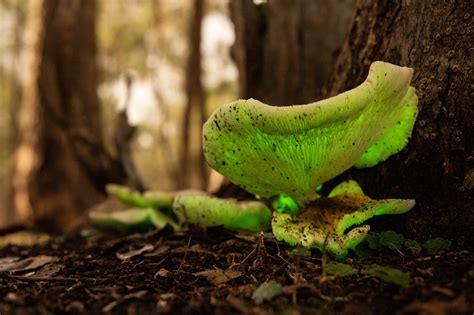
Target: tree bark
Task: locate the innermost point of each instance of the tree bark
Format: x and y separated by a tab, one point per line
123	136
437	167
61	164
284	49
195	107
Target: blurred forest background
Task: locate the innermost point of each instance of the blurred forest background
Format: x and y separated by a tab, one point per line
159	67
98	91
142	56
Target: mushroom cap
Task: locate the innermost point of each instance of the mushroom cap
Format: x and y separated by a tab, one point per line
132	219
270	150
327	221
209	211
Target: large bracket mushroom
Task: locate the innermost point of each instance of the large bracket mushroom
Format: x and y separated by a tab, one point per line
269	150
282	154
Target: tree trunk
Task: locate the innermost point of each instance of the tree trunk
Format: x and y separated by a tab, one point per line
195	107
437	167
14	96
14	86
61	164
284	49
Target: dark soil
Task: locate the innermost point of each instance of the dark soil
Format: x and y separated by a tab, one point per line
98	275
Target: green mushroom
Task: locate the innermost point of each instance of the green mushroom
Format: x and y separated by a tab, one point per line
207	211
324	222
284	154
270	150
133	219
179	209
150	209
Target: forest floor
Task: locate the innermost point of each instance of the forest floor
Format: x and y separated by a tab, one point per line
217	272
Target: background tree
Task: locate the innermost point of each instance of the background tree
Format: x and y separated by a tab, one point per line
60	164
195	106
284	49
437	166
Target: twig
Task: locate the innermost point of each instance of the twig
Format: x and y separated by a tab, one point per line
324	256
250	254
185	253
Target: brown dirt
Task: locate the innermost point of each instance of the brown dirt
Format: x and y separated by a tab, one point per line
216	272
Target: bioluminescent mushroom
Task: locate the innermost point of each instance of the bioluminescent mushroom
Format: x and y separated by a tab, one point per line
181	208
150	209
133	219
324	222
208	211
284	154
270	150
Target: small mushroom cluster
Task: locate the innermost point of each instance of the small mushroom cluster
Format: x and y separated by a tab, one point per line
282	154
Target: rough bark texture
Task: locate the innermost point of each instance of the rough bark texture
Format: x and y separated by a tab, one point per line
61	164
284	49
195	107
436	168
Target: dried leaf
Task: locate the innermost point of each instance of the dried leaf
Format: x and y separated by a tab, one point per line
219	276
24	238
26	264
48	270
8	260
266	291
162	273
160	250
136	252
